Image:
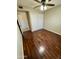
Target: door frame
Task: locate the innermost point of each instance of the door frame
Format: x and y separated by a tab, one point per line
28	18
20	29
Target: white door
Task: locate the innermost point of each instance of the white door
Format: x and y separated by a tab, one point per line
23	22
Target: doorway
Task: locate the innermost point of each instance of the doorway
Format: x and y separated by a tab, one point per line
24	20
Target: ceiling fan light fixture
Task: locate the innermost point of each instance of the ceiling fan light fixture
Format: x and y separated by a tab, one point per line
42	8
45	7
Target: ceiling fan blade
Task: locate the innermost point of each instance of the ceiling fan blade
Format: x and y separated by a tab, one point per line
49	0
37	6
21	7
37	1
50	4
43	0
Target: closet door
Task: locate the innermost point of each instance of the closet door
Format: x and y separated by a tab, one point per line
23	21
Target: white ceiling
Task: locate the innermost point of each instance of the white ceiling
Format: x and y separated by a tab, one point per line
32	3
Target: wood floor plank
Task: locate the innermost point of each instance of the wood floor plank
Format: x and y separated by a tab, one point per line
44	40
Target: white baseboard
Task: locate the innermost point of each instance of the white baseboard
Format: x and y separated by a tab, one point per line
36	29
53	31
46	29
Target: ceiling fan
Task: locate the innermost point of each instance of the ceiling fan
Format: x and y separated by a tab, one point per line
43	5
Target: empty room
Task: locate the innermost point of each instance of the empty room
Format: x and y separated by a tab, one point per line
38	29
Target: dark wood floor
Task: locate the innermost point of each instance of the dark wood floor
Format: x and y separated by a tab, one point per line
49	43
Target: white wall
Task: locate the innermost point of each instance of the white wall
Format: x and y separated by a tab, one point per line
20	54
52	20
36	20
